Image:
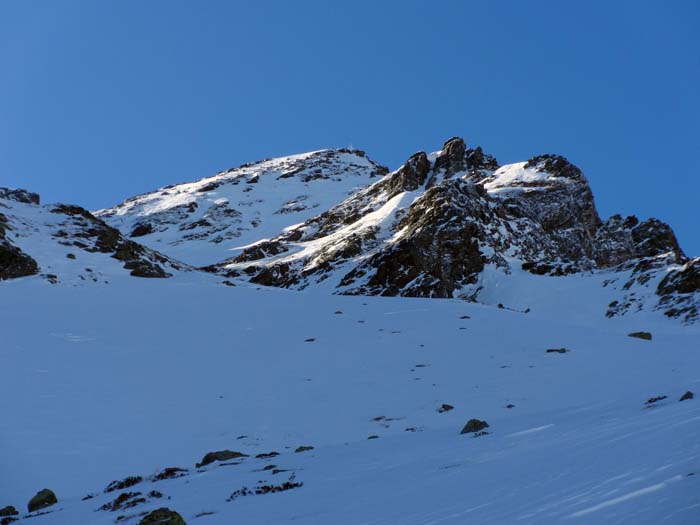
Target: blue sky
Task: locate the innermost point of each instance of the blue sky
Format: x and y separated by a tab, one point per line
102	100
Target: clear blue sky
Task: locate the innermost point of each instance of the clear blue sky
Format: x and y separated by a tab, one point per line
101	100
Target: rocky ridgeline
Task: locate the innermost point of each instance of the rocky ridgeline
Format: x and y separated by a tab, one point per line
430	228
336	219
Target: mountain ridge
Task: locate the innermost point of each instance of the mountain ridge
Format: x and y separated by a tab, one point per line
336	220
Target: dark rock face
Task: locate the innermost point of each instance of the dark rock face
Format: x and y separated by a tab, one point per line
141	229
451	158
641	335
24	196
42	499
96	236
14	262
8	511
557	165
456	158
653	238
679	292
410	176
124	483
474	425
430	260
688	395
655	399
445	408
162	516
561	204
124	500
479	164
621	240
220	455
169	473
684	281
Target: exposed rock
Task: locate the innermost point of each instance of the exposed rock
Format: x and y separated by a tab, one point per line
14	262
169	473
267	455
683	281
557	350
445	408
438	251
104	239
474	425
42	499
221	455
123	484
304	448
9	510
24	196
653	238
679	292
688	395
561	204
557	165
125	500
141	229
641	335
264	489
162	516
451	158
656	399
410	176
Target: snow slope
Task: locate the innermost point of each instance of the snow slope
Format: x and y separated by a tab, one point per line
121	380
212	219
67	244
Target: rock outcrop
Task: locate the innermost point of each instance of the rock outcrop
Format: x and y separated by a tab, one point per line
42	499
162	516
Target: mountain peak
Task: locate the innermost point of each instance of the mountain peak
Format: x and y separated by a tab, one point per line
216	217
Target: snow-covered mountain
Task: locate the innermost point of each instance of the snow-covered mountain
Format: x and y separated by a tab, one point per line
209	220
456	224
456	341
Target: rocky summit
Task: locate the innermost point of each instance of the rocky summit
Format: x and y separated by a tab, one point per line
449	224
